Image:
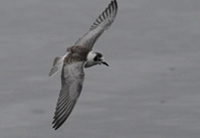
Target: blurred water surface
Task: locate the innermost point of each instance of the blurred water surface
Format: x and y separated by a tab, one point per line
150	90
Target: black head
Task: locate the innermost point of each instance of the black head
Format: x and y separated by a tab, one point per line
99	58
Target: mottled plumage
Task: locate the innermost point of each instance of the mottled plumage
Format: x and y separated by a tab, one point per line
73	62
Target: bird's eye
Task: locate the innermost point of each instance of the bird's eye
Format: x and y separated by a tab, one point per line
98	56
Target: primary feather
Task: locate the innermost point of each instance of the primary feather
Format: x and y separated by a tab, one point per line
102	23
72	78
72	64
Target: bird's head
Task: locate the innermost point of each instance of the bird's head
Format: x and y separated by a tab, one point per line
94	58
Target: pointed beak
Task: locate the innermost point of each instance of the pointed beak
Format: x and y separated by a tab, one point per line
105	63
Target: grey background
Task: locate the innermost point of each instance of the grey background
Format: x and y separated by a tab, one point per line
150	90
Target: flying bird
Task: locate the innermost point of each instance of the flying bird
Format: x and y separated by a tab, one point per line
78	57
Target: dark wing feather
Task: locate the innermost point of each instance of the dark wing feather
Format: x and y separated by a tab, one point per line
72	79
102	23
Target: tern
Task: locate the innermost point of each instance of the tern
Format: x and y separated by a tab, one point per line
78	57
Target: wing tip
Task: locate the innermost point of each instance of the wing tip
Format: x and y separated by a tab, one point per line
109	12
55	127
114	2
57	124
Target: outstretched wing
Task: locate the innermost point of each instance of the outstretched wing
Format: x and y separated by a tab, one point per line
102	23
72	79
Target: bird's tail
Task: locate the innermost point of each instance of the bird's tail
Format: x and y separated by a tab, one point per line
57	65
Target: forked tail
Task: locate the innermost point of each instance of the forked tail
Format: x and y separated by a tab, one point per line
57	65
